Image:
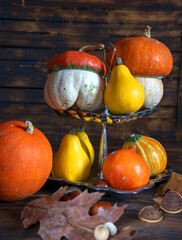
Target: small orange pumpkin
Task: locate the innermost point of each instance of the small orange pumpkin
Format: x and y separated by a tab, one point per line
143	55
124	169
76	60
151	150
25	160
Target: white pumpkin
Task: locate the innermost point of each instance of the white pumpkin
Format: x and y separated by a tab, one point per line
74	87
153	89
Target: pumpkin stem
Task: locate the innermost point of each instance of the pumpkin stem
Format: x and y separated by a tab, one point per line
29	127
82	128
119	61
73	130
92	47
147	32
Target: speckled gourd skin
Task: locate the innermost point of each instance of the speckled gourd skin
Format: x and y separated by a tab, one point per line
73	87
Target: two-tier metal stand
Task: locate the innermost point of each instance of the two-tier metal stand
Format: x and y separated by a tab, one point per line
104	117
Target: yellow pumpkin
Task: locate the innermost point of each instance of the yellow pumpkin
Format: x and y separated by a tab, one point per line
151	150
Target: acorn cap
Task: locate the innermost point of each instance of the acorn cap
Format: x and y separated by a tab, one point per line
101	232
112	228
171	202
150	214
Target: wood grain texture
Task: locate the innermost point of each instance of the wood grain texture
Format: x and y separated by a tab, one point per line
167	229
179	112
31	32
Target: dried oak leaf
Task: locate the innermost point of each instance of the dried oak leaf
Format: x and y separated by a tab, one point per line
174	183
158	200
70	219
126	233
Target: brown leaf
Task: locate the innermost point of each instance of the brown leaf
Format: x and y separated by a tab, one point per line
174	184
31	215
126	233
70	219
158	200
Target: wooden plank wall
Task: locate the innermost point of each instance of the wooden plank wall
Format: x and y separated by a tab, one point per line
32	31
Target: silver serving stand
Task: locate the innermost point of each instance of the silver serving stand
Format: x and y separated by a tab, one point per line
104	116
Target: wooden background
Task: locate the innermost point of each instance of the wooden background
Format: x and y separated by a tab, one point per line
32	31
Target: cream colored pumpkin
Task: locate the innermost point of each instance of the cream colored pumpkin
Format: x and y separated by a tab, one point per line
74	87
153	89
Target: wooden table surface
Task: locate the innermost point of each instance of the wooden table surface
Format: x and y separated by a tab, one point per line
170	228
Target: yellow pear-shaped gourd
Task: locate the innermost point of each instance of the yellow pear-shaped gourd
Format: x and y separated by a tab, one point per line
86	144
71	161
123	94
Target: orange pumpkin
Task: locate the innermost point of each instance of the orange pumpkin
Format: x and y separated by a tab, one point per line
151	150
143	55
76	60
124	169
25	160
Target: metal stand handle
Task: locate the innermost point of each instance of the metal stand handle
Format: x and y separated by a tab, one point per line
103	149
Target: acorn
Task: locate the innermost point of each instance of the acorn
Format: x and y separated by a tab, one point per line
99	207
70	194
101	183
101	232
112	228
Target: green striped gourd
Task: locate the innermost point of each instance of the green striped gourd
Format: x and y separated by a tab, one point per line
151	150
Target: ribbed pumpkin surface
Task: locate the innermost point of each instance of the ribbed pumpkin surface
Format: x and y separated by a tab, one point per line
151	150
25	160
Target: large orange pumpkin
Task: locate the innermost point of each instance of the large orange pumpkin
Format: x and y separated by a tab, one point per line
143	55
124	169
25	160
151	150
